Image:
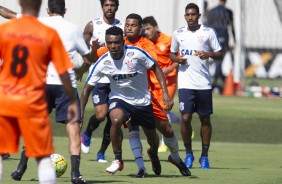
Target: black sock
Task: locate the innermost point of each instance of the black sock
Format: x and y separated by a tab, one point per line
93	124
23	160
188	147
118	155
106	136
205	150
75	162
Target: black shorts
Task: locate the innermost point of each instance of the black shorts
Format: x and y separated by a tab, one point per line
140	115
199	101
57	98
100	93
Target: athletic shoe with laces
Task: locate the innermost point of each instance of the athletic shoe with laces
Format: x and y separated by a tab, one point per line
204	162
116	166
17	174
5	156
141	173
189	160
101	158
78	180
181	166
85	143
162	148
156	164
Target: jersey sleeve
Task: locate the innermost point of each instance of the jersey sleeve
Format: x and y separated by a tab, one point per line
214	43
58	54
174	48
94	75
80	43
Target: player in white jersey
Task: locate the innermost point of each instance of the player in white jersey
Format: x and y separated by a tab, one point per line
126	67
96	30
196	44
73	42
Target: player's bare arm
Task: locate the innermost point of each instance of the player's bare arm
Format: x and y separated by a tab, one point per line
177	59
73	107
84	98
161	79
213	55
7	13
88	32
170	68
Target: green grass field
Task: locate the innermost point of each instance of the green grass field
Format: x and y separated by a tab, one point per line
246	148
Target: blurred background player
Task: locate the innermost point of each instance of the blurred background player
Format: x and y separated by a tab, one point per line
126	68
196	44
26	52
73	41
221	19
96	30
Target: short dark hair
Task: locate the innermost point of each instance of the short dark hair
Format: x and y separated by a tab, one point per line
150	20
193	6
115	1
30	4
114	30
135	16
57	6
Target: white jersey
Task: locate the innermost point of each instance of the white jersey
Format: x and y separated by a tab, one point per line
73	42
128	76
99	32
195	73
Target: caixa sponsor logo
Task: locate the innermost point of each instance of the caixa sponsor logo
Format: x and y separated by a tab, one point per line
119	77
188	52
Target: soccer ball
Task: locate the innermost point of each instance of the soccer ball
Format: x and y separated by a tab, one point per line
59	163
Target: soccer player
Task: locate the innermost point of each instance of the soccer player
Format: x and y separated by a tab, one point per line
162	44
96	30
196	44
25	52
221	19
133	26
126	68
73	41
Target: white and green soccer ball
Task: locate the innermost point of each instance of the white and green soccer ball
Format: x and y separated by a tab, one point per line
59	163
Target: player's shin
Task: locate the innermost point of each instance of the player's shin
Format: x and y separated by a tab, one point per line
172	144
136	147
46	172
1	168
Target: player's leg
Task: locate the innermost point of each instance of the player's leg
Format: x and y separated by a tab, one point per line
186	106
204	109
22	166
105	142
42	147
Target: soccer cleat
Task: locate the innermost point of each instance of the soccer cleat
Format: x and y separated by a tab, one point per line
204	162
181	166
156	164
5	156
101	158
189	160
141	174
85	143
17	174
78	180
116	166
162	148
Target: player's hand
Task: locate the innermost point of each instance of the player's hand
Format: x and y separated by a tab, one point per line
79	75
202	55
73	112
182	60
168	102
95	45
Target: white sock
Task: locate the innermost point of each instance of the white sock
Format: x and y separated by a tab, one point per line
174	118
1	168
46	172
136	148
172	144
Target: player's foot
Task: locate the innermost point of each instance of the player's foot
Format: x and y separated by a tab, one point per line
85	143
156	164
204	162
181	166
162	148
78	180
101	158
141	174
17	174
189	160
116	166
5	156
